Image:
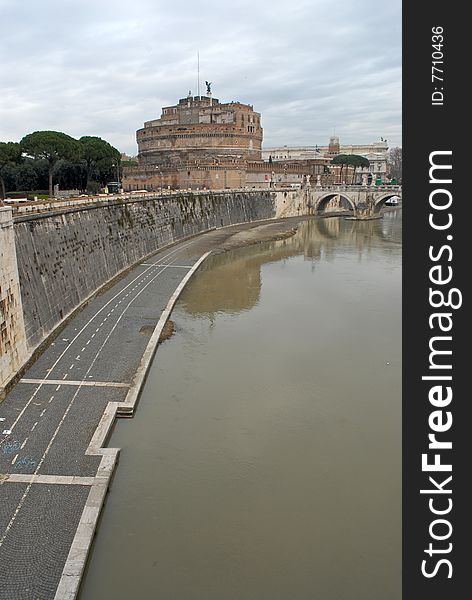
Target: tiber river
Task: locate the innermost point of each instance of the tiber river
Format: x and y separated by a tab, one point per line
264	460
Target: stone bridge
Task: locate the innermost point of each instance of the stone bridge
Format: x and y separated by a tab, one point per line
365	202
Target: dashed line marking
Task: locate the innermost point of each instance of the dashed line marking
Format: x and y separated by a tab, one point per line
174	267
38	467
150	271
58	388
42	413
23	444
14	460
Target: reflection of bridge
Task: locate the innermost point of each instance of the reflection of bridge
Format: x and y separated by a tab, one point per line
365	202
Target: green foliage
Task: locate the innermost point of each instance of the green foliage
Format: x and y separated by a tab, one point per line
51	146
359	161
341	159
353	160
46	157
10	155
31	195
102	160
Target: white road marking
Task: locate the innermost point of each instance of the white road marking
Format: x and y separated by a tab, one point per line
21	413
14	460
176	266
34	426
23	444
51	441
70	382
42	413
50	479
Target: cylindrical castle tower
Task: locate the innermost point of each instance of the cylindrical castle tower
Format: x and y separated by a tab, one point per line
201	130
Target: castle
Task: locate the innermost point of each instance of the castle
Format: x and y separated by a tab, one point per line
201	143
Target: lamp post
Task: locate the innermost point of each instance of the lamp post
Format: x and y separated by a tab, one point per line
117	167
160	177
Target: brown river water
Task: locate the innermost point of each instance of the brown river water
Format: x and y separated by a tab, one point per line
264	460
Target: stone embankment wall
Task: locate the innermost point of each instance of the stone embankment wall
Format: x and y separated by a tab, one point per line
63	257
13	350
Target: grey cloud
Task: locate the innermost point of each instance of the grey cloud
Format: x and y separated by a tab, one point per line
103	68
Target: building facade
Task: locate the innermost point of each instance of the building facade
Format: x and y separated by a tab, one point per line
376	153
201	143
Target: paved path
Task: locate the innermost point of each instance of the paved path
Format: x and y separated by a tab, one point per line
54	466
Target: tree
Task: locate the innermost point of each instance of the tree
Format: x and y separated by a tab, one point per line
357	161
394	162
26	177
99	157
351	160
52	146
10	155
341	159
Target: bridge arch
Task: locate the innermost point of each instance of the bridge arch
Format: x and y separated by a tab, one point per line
379	202
322	202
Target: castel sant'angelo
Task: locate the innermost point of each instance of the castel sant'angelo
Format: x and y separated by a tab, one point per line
202	143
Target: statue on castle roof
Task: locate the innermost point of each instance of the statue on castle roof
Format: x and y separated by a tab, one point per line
208	84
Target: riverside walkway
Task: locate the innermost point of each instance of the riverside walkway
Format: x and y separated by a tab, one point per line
54	472
55	468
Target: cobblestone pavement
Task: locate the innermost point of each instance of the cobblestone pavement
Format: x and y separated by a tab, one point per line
48	476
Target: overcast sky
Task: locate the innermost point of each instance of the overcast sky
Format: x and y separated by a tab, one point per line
102	67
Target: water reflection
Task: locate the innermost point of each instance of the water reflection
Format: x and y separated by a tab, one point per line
264	461
232	282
